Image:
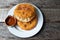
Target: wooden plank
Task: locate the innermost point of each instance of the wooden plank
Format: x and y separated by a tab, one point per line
3	14
39	3
50	15
50	29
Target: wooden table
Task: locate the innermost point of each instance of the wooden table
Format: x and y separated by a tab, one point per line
51	12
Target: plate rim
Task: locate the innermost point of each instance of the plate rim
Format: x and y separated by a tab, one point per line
42	20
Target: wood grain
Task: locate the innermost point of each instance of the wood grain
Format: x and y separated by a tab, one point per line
50	29
51	11
39	3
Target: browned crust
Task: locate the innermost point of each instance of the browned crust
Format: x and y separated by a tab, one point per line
27	25
24	10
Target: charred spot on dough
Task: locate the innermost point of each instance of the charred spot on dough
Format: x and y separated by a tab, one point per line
23	12
30	22
25	25
19	8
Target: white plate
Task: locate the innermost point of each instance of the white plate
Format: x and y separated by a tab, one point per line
25	34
